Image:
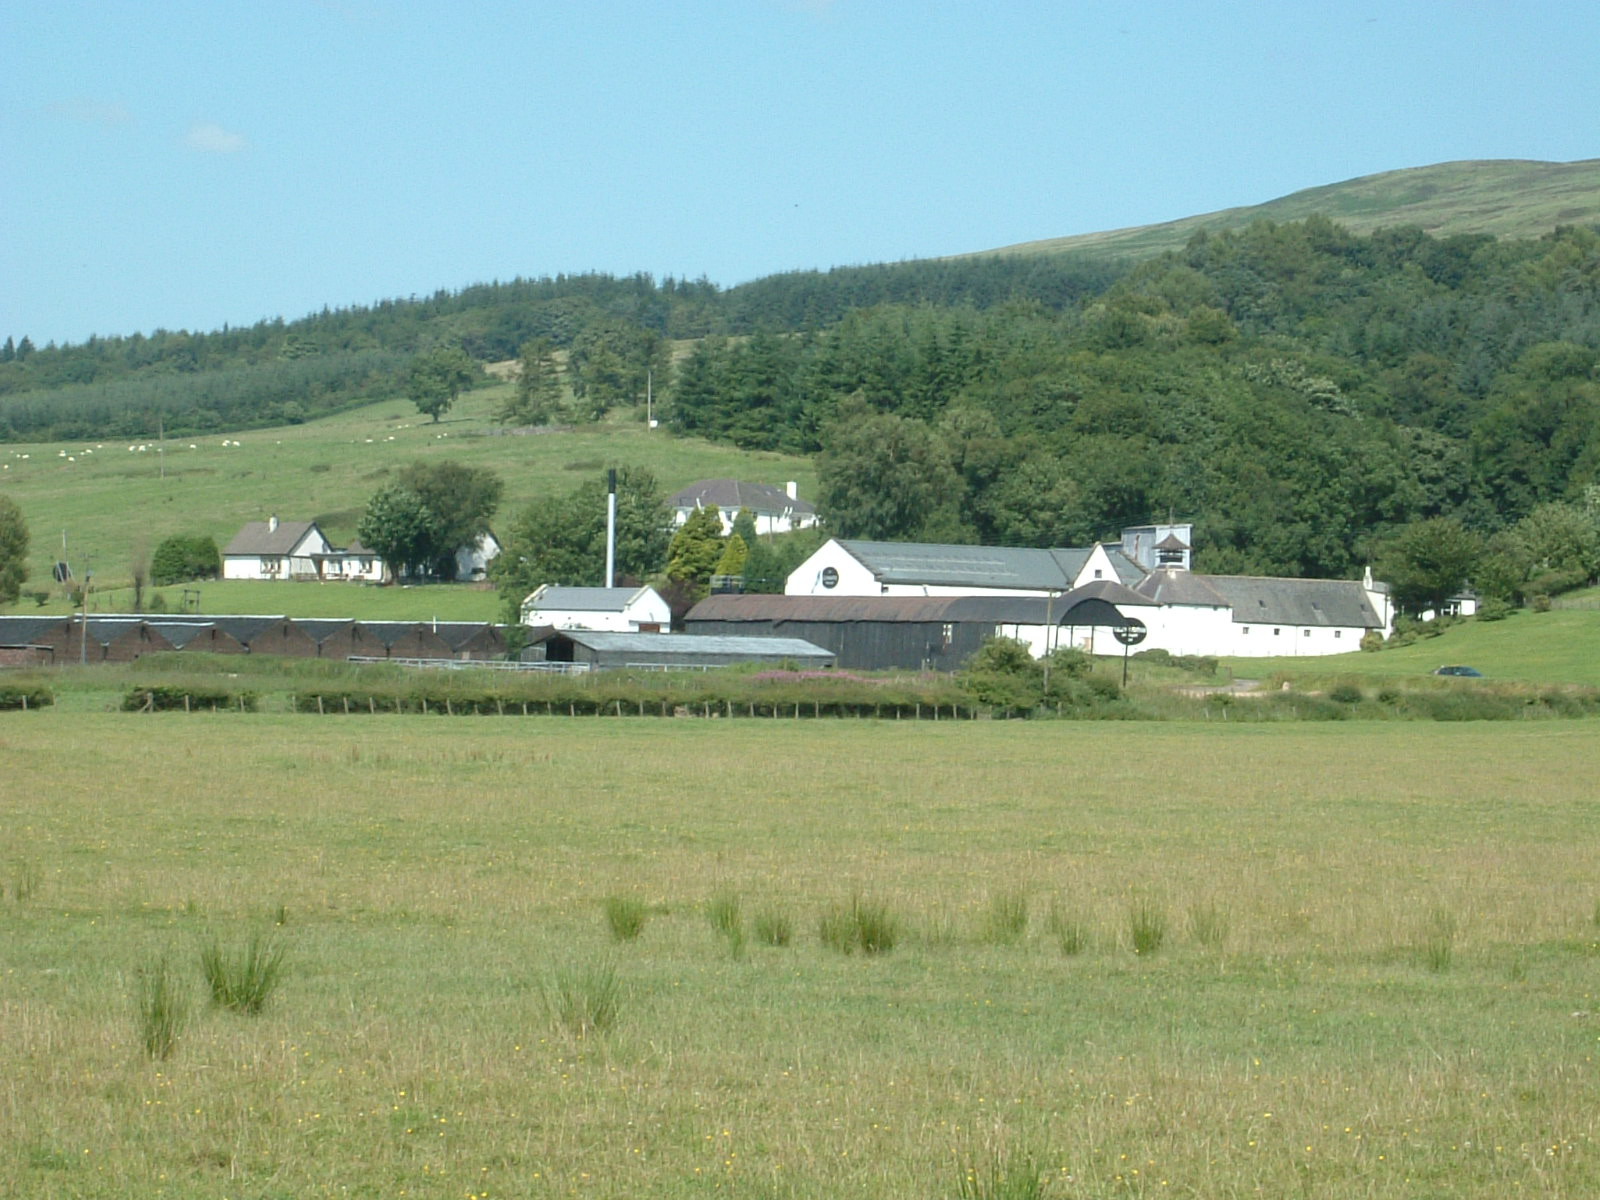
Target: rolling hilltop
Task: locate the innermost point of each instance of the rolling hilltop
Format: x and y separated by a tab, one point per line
1502	198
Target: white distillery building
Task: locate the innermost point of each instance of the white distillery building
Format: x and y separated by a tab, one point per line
1184	612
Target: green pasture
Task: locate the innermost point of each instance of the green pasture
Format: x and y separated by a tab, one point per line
115	504
1369	959
1560	646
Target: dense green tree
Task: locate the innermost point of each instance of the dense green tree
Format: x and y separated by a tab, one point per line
460	501
537	397
433	380
735	553
696	546
1560	547
400	527
744	527
773	558
887	478
1429	562
183	557
13	550
562	539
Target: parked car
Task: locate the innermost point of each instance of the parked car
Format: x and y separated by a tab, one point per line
1473	672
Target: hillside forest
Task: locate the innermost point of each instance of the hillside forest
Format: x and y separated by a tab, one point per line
1302	393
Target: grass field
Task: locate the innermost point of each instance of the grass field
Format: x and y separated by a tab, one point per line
1561	646
1378	975
114	504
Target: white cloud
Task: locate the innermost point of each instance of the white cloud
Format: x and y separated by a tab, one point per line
210	138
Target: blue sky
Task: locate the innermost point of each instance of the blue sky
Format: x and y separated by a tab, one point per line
184	164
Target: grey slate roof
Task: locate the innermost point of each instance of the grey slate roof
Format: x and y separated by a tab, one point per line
1001	610
258	537
1260	600
730	495
24	631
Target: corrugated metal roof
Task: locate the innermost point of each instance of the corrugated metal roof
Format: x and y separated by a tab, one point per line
557	597
972	566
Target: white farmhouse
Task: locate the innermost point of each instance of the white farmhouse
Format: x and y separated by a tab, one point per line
274	549
613	610
775	510
472	562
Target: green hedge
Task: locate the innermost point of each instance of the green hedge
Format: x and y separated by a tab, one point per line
172	697
25	698
616	694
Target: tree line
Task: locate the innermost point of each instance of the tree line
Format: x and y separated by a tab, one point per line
1303	394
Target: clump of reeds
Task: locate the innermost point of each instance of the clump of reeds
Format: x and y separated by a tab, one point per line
585	1001
1000	1177
1438	941
625	916
869	926
243	980
26	879
1208	924
1005	920
772	926
726	916
1070	931
163	1010
1147	927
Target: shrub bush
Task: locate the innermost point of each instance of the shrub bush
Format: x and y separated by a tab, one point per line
183	557
188	698
18	697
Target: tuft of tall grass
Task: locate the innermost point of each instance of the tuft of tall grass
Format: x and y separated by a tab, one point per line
869	926
726	916
1006	919
163	1010
1208	924
244	980
1071	932
585	1001
26	879
1002	1177
772	926
1438	942
1147	927
625	917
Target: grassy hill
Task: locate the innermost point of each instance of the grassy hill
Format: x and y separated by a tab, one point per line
1504	198
115	502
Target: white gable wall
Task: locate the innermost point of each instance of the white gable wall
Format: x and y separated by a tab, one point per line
644	608
1097	566
853	578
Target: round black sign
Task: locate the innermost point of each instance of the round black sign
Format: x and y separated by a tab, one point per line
830	577
1132	633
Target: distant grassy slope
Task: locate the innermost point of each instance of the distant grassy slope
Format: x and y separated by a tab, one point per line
113	503
1505	198
1553	647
